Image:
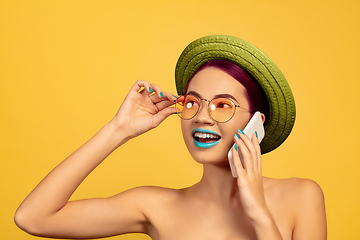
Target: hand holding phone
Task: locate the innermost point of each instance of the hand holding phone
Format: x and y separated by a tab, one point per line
255	124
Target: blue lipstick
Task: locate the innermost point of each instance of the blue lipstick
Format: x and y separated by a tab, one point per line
204	144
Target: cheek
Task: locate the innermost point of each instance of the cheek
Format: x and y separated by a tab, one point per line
186	131
233	126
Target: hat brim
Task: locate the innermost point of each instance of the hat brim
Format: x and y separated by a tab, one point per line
281	118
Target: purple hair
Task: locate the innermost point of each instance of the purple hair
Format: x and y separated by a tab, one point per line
254	93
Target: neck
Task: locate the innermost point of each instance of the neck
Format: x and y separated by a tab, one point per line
217	183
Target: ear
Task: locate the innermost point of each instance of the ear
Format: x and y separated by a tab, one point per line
262	117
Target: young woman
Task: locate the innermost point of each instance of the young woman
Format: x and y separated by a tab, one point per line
225	80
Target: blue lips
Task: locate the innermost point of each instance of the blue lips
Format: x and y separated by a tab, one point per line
201	144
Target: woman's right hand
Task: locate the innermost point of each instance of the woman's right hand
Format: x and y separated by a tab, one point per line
143	110
47	210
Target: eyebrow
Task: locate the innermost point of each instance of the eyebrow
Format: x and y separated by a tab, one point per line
224	95
193	93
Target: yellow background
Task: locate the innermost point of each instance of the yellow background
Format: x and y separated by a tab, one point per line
65	67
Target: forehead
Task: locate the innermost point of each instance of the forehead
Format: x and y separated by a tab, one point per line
211	81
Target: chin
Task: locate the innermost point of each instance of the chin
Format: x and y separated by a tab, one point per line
207	151
213	155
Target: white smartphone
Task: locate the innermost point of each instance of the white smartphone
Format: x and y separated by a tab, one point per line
255	124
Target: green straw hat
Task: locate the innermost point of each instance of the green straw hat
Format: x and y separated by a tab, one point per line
281	118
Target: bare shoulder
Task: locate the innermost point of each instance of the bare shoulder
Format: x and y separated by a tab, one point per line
155	204
297	188
154	192
301	203
148	198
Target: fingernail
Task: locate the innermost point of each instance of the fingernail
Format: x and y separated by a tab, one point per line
150	90
256	134
241	131
162	95
237	136
235	147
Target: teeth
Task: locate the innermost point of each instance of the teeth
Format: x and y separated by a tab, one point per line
205	135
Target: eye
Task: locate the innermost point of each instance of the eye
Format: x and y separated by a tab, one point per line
224	104
191	104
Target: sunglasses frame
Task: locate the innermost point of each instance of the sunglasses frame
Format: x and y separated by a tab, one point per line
208	107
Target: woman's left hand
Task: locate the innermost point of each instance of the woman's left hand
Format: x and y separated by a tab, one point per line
247	162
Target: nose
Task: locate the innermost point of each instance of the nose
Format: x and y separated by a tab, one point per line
203	115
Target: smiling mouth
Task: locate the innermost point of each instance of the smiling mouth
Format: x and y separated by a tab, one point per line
206	137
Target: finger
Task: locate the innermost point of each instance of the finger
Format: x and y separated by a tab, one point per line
244	151
155	98
256	145
166	101
162	115
160	95
170	97
162	101
250	145
142	87
237	161
164	104
157	90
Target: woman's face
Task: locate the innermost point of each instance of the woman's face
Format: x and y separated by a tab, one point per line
207	84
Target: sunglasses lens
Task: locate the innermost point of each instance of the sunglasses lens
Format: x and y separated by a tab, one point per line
221	109
187	106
